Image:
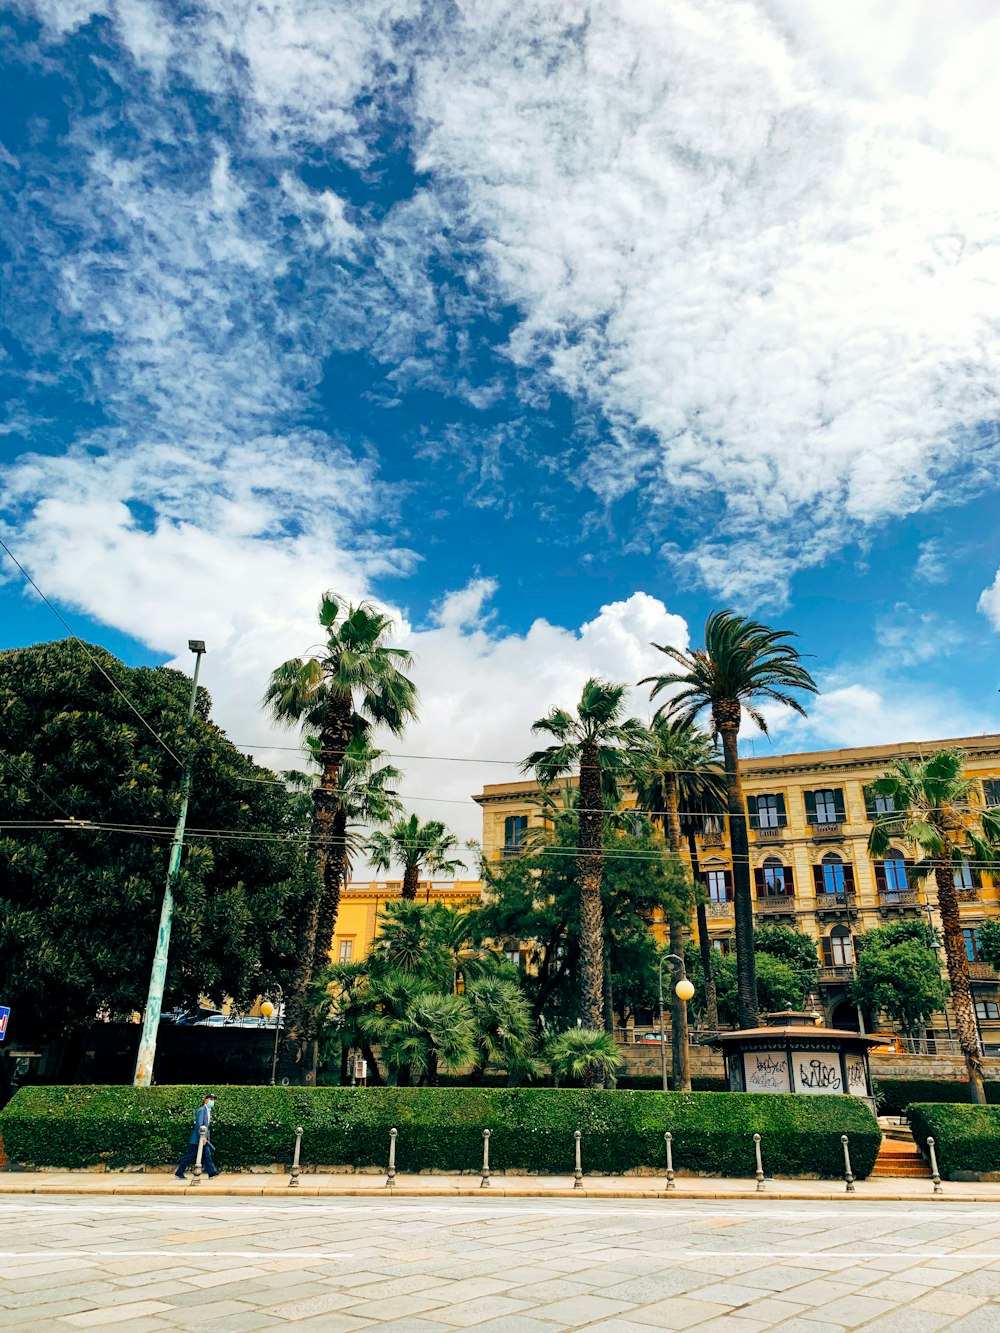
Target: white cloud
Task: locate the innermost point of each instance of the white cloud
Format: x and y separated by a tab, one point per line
932	564
908	635
989	602
862	714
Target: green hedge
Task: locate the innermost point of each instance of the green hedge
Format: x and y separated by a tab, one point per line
966	1137
894	1095
532	1128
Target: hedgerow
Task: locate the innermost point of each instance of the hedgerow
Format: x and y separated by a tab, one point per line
441	1128
895	1094
966	1137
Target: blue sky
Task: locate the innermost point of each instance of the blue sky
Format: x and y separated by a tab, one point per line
551	326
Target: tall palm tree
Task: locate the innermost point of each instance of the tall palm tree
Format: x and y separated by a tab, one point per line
416	847
356	673
678	772
742	663
933	812
598	740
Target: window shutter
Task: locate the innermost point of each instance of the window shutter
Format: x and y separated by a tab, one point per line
991	791
977	879
789	881
838	804
810	799
818	879
870	810
782	813
848	878
758	879
752	811
880	876
827	952
729	885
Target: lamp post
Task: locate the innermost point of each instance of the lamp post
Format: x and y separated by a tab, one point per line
684	991
158	974
267	1009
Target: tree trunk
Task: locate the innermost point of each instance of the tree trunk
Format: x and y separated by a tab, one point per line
705	947
590	867
680	1058
329	904
726	715
411	879
958	976
294	1063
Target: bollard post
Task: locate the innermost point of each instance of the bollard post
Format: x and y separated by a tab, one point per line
935	1173
578	1169
669	1140
848	1173
295	1159
759	1175
484	1184
202	1140
390	1178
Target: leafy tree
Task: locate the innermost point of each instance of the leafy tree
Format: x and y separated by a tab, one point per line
898	974
79	905
786	965
793	947
933	812
418	1030
595	740
504	1032
358	674
415	846
582	1056
742	663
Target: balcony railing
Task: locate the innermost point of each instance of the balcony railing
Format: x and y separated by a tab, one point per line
714	909
769	834
839	973
982	972
511	849
899	898
835	902
968	894
784	902
828	829
713	838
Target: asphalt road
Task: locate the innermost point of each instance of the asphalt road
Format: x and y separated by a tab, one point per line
503	1266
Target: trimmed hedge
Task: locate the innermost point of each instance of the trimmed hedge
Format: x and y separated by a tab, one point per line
966	1138
894	1095
441	1128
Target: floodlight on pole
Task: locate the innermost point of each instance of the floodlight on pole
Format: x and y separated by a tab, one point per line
158	974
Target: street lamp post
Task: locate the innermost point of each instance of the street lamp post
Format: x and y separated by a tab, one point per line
267	1009
158	974
684	991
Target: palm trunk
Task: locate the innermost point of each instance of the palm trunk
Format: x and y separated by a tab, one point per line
411	881
680	1059
726	715
590	867
705	946
329	906
958	976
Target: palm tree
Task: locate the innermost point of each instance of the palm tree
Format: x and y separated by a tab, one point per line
503	1028
932	811
418	1030
597	740
585	1055
415	847
742	662
357	673
678	772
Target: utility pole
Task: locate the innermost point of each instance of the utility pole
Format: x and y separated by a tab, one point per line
158	975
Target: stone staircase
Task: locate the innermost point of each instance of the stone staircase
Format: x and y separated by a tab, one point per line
898	1157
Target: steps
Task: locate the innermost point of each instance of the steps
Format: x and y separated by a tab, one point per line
899	1157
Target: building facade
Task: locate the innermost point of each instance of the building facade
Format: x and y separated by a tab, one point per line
810	815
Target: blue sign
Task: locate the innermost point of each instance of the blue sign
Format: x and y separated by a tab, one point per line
4	1015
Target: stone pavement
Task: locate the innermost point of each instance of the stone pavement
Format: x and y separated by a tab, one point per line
496	1265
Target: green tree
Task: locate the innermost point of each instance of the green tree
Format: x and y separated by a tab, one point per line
596	741
357	674
898	974
793	947
786	972
79	905
743	662
416	847
933	812
504	1033
583	1056
419	1031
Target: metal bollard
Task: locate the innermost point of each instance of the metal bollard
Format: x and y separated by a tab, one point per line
578	1169
848	1173
202	1140
759	1175
484	1184
295	1159
669	1140
390	1178
935	1173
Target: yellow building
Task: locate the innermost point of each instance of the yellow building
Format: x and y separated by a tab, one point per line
810	815
360	905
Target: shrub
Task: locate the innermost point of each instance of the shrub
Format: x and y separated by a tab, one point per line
895	1094
532	1128
966	1137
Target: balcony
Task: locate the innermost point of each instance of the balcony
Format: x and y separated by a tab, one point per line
712	838
769	834
899	900
826	831
968	894
835	975
982	972
776	905
716	910
836	903
511	849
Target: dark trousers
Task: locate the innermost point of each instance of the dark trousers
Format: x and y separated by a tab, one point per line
189	1159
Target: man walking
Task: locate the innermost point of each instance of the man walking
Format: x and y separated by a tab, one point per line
202	1120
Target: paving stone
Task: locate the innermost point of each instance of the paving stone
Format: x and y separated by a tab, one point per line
578	1310
119	1314
677	1312
469	1313
850	1311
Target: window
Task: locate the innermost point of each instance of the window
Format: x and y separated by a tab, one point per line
825	806
965	876
720	885
512	952
774	880
991	792
767	811
722	945
876	806
987	1009
895	874
345	952
514	829
838	949
834	879
971	935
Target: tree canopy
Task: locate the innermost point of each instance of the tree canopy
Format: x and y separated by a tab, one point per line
898	974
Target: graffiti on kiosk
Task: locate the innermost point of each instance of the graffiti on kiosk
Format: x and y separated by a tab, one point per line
856	1075
768	1073
822	1074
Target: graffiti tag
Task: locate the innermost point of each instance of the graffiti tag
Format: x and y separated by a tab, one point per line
820	1074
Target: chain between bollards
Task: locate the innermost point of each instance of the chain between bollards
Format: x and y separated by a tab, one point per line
759	1175
935	1173
293	1183
390	1178
848	1173
669	1141
484	1184
578	1169
202	1140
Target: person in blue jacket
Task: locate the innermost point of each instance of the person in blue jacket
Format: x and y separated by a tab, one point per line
202	1120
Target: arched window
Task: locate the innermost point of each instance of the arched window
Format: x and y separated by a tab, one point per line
834	880
775	878
895	873
841	947
965	876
